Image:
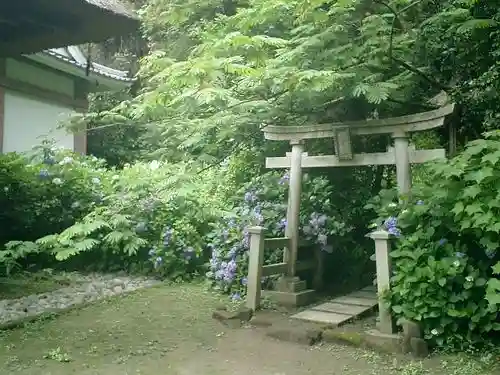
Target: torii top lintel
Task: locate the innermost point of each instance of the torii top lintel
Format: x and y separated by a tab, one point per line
404	124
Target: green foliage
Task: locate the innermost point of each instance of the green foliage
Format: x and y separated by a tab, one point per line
450	239
45	194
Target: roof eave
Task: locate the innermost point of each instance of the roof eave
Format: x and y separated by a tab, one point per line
98	82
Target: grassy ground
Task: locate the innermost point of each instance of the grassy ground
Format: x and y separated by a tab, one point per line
24	284
169	330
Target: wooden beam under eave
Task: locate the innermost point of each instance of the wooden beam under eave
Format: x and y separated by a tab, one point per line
377	158
2	105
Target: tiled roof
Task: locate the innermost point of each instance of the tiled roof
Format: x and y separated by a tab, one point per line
75	56
114	6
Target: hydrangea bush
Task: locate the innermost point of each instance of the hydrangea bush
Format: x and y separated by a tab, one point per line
446	247
263	202
152	219
44	193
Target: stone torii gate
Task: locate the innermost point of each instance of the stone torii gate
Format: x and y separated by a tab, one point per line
402	155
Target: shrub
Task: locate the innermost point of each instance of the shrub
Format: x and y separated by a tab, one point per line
150	218
45	194
446	243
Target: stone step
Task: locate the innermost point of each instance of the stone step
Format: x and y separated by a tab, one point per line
323	317
340	310
290	299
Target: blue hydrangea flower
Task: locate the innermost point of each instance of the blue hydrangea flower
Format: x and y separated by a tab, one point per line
167	236
235	297
490	253
281	224
44	173
250	197
284	179
49	161
442	241
420	202
322	239
158	262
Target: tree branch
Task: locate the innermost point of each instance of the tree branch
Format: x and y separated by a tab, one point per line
421	74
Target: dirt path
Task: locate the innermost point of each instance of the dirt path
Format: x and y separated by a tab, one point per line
169	330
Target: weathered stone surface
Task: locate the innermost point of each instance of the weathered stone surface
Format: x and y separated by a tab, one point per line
289	299
388	343
233	318
343	337
328	318
301	335
419	347
410	330
339	308
266	318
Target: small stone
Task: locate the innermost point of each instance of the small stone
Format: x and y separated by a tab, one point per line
117	282
117	289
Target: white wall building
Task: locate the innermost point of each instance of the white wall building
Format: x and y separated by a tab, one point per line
38	91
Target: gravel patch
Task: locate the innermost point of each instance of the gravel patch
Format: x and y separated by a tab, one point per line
84	289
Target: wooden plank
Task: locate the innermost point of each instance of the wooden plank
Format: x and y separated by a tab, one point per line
370	288
340	308
276	243
348	300
375	158
322	317
364	294
274	269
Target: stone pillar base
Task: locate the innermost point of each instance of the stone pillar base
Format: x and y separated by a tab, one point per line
288	284
291	299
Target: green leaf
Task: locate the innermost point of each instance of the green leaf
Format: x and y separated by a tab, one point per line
442	282
471	191
496	268
476	23
480	281
397	309
458	208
